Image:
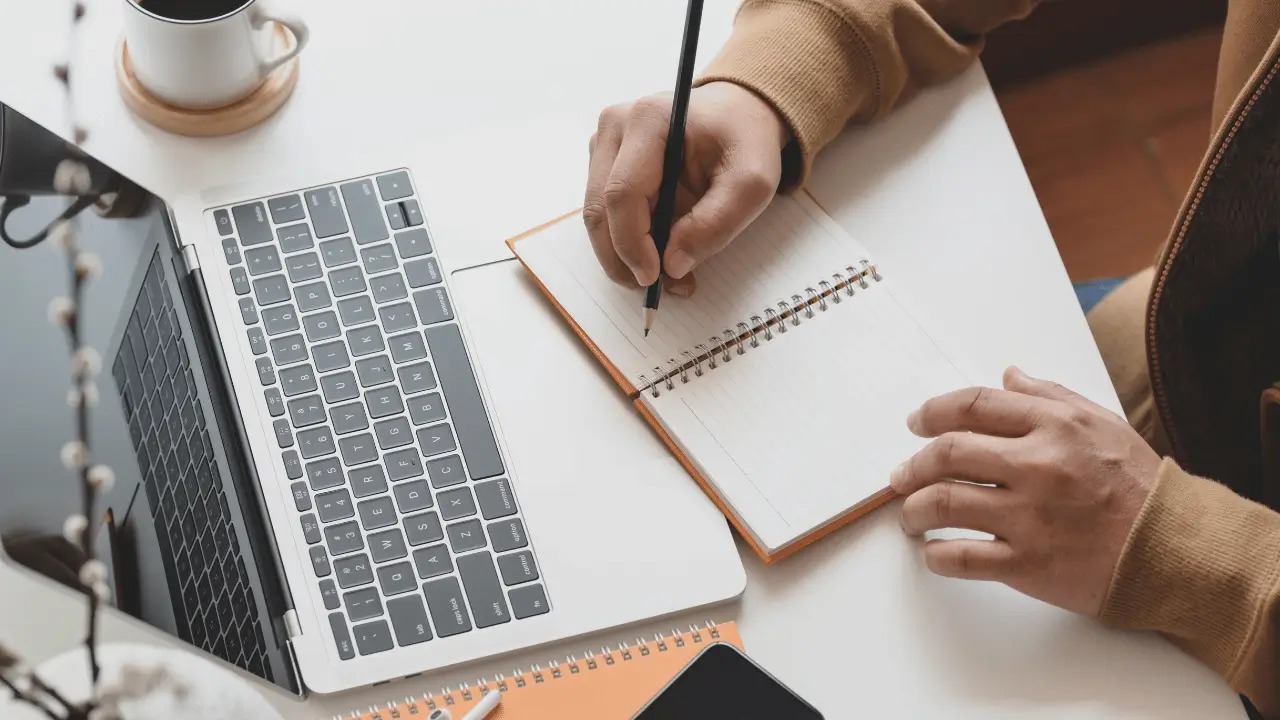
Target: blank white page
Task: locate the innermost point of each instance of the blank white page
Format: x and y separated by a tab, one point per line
809	425
792	246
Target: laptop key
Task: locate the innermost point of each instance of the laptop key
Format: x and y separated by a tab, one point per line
287	208
384	401
368	480
397	579
423	273
518	568
263	260
251	221
416	378
374	371
321	326
313	296
409	620
433	305
394	186
320	561
343	538
356	311
488	605
331	356
436	439
338	252
507	535
388	288
365	211
393	433
363	604
410	497
395	216
465	536
269	290
315	442
248	311
458	381
223	221
373	637
310	529
335	505
280	319
397	317
298	379
365	340
338	625
412	213
388	545
301	498
423	529
407	347
446	471
433	561
326	212
377	513
292	465
353	571
348	418
329	592
325	474
303	267
403	464
295	237
426	408
289	349
448	609
257	341
266	371
528	601
239	281
378	258
284	436
306	411
495	499
339	387
413	243
358	450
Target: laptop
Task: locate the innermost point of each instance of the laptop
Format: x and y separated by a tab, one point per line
343	455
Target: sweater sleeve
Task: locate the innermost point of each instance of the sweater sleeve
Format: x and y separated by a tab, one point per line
1202	567
822	63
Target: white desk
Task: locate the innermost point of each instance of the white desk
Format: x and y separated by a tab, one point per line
856	623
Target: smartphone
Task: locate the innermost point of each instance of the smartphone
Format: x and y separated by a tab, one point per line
722	682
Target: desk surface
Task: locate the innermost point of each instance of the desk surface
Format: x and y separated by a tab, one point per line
938	193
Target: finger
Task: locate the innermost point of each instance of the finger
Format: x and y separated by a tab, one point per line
681	287
733	201
970	559
978	409
604	149
1018	381
633	185
958	505
957	456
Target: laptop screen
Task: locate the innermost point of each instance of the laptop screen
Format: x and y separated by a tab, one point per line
179	530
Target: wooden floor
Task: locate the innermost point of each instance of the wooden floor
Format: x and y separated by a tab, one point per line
1111	149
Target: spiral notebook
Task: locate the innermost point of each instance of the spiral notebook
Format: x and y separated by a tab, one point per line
606	685
783	385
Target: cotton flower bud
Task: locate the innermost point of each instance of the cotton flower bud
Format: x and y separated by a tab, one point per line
88	266
71	177
86	360
61	310
92	572
90	391
64	234
101	478
74	455
73	528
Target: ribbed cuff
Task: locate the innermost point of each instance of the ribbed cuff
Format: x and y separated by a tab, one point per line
1199	566
808	63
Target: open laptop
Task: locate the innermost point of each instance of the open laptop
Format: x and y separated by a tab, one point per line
341	456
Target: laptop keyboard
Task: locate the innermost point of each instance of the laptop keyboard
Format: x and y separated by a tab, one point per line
213	603
401	490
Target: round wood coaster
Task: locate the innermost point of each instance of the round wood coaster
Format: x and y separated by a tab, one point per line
250	110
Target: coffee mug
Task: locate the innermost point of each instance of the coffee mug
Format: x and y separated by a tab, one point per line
203	54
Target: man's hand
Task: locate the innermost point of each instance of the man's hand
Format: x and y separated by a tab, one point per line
732	166
1069	480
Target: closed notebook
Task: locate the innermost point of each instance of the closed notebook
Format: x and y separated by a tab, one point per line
783	385
609	684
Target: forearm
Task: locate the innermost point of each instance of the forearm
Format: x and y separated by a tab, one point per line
1202	566
822	63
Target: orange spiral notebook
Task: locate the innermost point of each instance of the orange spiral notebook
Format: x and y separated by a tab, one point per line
606	685
784	383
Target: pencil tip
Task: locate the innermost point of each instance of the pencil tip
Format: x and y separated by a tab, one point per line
649	315
646	332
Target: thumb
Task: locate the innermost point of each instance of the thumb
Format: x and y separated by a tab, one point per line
734	199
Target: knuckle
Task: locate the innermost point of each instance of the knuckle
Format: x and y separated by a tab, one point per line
757	182
612	115
979	400
616	191
594	215
651	106
942	502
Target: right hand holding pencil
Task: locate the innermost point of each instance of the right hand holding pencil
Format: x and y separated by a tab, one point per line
732	166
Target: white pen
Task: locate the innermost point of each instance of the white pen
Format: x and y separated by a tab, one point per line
485	706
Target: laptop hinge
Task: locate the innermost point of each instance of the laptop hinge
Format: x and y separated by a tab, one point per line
291	625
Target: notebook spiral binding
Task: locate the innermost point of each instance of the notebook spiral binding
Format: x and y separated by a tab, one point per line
412	707
771	321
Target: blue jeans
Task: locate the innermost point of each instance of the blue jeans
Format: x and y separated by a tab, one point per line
1091	292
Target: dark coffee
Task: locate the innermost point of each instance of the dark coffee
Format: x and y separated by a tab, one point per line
191	10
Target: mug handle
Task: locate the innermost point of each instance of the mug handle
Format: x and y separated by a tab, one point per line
291	21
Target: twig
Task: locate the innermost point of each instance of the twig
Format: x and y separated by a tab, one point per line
22	697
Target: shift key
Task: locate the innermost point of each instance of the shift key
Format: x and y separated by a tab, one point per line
488	605
326	212
365	210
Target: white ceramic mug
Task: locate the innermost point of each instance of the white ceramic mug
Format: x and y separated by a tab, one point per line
199	62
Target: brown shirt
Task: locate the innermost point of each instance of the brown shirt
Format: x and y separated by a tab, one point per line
1202	564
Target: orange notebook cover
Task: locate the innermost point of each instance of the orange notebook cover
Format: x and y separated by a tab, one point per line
606	685
633	394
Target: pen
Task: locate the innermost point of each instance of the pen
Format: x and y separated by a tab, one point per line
673	157
485	706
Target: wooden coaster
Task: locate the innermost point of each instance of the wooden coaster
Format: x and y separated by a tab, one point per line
255	107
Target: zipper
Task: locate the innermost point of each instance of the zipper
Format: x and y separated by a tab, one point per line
1158	391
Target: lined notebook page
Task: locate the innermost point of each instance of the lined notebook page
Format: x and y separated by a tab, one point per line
809	425
792	246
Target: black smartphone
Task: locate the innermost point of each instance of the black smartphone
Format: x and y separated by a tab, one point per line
722	682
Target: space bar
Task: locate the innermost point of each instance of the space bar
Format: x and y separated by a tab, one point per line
462	395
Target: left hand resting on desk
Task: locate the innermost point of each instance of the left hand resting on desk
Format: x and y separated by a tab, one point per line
1070	479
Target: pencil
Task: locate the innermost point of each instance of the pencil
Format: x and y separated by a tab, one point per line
673	157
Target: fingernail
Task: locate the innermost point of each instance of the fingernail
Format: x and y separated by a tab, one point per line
679	264
639	278
895	477
680	289
913	421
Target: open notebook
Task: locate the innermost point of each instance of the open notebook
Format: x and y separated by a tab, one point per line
783	385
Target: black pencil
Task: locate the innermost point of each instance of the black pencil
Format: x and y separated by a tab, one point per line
664	209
